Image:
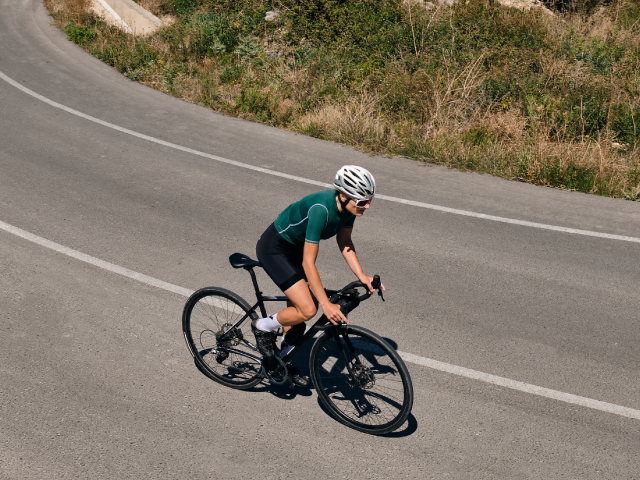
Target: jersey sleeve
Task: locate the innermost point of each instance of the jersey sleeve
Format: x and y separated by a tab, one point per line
318	216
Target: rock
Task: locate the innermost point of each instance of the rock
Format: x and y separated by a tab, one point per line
420	3
272	16
519	4
526	5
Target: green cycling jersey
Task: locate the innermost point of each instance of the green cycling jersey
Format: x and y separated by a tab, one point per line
316	217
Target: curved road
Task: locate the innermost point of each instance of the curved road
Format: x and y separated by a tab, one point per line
95	379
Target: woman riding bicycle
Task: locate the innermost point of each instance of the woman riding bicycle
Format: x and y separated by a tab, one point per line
287	251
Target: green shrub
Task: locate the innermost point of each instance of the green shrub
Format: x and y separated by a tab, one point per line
79	34
247	47
478	136
182	7
629	14
252	100
127	59
231	74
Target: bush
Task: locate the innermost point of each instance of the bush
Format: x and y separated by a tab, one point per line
231	74
181	7
79	34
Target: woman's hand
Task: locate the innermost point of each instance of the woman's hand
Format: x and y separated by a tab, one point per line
367	279
333	313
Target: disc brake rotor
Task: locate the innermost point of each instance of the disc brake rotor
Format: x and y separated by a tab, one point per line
232	338
364	377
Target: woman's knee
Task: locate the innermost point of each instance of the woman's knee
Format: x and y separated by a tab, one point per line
307	312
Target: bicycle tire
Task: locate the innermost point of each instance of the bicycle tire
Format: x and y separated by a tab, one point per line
381	401
208	312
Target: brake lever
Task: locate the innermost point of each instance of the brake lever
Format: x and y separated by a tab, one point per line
376	283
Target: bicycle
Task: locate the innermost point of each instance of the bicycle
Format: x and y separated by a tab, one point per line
359	377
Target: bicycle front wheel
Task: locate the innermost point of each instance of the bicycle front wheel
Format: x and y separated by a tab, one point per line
224	351
361	380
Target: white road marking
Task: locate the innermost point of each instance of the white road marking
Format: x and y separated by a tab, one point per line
408	357
522	387
95	261
455	211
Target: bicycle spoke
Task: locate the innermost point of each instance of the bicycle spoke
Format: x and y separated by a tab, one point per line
222	348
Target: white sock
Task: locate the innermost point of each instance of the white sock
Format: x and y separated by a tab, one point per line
268	324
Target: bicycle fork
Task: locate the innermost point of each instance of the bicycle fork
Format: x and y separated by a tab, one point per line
355	379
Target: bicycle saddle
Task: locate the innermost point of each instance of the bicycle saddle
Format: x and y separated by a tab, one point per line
240	260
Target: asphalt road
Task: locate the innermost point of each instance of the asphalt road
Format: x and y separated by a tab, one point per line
95	378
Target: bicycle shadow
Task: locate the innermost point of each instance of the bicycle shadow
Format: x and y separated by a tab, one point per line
410	426
411	423
284	392
301	360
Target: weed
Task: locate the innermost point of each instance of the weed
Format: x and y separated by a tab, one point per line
231	74
247	47
80	35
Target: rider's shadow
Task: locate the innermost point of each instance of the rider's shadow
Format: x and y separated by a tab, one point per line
410	425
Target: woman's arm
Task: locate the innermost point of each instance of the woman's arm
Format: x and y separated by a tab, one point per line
348	250
309	255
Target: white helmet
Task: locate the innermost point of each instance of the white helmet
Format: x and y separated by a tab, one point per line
355	182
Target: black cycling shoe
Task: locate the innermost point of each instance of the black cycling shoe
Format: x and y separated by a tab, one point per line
296	377
271	364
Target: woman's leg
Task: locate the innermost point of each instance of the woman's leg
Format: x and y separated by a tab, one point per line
301	306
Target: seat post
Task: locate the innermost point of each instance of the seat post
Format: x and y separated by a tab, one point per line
263	311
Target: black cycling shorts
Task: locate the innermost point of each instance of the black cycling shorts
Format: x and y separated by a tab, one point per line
280	259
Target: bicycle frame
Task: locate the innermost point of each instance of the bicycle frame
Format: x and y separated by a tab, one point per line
320	325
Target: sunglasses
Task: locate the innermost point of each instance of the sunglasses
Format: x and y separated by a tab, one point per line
362	203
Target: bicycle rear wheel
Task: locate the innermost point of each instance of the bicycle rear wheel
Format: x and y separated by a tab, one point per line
361	380
230	359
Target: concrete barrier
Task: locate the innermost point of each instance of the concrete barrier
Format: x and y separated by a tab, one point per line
128	15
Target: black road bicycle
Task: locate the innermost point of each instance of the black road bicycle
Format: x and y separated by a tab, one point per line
359	377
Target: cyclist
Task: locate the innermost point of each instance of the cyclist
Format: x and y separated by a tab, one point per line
287	251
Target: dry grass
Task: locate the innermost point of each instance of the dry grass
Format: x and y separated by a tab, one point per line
451	99
77	11
153	6
506	126
357	122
